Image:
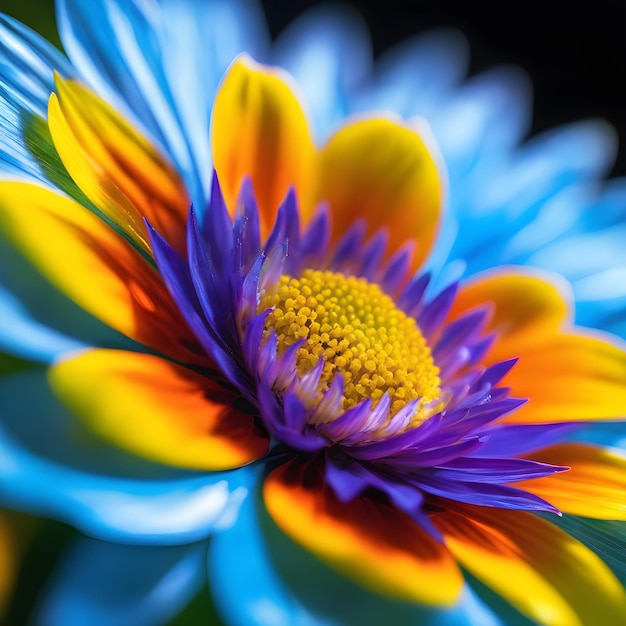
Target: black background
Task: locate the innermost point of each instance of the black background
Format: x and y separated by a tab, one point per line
574	52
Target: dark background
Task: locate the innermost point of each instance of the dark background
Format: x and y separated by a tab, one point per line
574	52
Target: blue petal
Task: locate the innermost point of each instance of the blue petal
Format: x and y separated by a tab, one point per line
483	120
50	466
327	50
100	584
248	587
416	76
38	322
23	335
27	61
500	202
589	222
160	64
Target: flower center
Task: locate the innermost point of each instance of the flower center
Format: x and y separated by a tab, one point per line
356	329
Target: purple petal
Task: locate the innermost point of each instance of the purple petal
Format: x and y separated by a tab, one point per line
412	296
372	254
513	439
351	479
217	226
315	239
214	302
459	332
252	340
398	268
248	212
412	459
247	304
273	267
484	494
436	310
493	470
351	421
494	374
349	247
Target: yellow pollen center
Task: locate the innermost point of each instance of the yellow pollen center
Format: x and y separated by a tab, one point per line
358	332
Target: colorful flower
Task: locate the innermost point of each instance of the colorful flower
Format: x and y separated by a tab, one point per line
402	441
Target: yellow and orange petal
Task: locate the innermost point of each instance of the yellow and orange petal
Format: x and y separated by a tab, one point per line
568	374
595	485
381	170
116	168
90	263
542	571
158	410
367	540
259	131
526	307
377	169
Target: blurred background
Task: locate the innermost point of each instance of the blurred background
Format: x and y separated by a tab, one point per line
575	53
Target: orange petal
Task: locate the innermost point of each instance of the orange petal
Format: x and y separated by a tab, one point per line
259	130
366	540
569	377
566	376
525	307
117	168
382	171
157	409
94	266
543	572
595	486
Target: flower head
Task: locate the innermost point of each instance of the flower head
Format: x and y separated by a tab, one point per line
398	431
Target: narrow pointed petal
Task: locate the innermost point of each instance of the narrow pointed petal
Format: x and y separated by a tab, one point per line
543	572
371	543
157	409
116	168
89	262
381	170
259	130
595	486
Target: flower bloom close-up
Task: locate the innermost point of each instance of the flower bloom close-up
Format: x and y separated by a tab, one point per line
284	345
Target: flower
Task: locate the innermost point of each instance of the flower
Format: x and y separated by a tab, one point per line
284	341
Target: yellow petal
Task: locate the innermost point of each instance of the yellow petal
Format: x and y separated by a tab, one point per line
569	377
259	130
525	306
366	540
382	171
94	266
566	374
158	410
595	486
543	572
116	168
